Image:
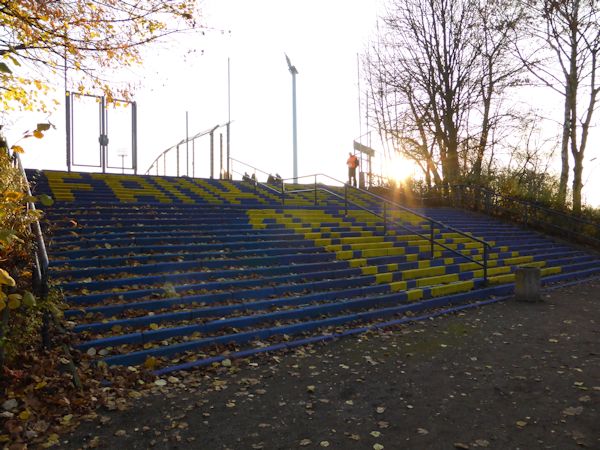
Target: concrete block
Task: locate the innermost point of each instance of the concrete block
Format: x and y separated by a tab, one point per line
528	284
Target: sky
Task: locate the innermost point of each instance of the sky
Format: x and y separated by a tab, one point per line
190	74
322	39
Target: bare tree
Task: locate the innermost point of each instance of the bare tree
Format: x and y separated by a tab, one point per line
571	30
436	76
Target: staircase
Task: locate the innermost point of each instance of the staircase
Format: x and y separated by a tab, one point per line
173	273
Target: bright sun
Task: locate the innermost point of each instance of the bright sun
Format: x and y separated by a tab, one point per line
400	169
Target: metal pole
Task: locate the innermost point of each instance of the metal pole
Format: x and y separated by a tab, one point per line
67	117
294	72
102	133
384	218
431	236
295	131
212	153
358	84
228	152
485	264
68	112
187	145
221	156
228	90
134	153
345	199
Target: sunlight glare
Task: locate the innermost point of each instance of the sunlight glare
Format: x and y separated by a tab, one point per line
401	169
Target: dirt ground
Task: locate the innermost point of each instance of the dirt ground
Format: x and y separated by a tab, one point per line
507	376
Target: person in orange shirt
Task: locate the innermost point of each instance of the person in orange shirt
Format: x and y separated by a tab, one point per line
352	164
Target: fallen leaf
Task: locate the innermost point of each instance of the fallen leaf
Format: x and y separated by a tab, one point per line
573	411
305	442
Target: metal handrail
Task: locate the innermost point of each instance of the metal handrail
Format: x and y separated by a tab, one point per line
533	204
531	213
183	141
485	245
41	252
41	261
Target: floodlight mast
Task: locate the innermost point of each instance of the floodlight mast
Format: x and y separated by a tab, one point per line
294	72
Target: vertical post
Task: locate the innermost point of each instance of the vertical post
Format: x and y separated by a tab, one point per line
485	264
134	154
358	86
345	199
315	190
187	146
103	133
295	131
221	156
68	113
228	152
67	117
294	72
431	236
384	218
212	153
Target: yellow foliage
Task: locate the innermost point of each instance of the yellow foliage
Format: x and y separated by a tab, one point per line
6	279
88	35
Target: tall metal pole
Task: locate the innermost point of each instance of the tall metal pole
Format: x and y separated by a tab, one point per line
68	113
228	116
295	130
359	109
221	156
212	153
294	72
187	145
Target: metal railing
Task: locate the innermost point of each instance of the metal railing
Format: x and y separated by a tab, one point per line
280	189
155	167
40	255
528	213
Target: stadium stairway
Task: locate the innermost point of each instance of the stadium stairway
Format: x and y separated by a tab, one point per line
174	273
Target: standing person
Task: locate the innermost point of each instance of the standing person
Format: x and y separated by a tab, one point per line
352	164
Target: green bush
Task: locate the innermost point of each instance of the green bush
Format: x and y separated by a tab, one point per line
20	310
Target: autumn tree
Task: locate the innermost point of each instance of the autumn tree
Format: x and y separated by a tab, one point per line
39	38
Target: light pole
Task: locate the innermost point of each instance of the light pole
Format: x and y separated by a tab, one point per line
294	72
